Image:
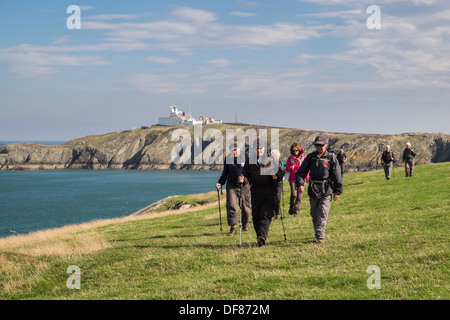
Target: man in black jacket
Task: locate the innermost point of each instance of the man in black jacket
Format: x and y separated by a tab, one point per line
387	161
263	176
238	193
342	158
408	158
325	179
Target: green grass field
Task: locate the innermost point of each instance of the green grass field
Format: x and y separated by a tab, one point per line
401	226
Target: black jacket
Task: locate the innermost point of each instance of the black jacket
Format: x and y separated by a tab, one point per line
320	169
231	173
408	154
341	157
387	157
261	183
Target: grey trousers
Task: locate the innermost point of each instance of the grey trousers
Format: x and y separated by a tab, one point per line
319	214
387	170
409	168
234	204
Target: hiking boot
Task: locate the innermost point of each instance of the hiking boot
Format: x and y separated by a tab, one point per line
261	241
278	216
320	240
291	210
232	231
245	228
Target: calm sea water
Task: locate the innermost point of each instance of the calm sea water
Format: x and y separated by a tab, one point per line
34	200
40	142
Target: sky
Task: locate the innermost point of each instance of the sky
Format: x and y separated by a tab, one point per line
319	65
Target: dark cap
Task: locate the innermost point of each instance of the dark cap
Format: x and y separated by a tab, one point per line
320	139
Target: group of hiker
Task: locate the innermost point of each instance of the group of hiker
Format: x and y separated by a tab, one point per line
388	159
251	191
253	195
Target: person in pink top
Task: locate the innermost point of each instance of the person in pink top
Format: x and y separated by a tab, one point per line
292	165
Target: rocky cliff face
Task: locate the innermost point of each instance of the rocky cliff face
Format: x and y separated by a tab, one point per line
151	148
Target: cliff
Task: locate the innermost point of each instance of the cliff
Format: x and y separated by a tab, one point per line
151	148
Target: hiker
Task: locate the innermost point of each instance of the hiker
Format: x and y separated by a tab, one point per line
277	155
238	193
325	179
342	158
387	161
263	176
408	158
292	164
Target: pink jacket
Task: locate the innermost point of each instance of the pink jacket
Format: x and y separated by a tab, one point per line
296	162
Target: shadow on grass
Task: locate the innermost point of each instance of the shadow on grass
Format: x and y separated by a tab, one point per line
245	245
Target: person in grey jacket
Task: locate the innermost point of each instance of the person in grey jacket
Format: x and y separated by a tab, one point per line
325	179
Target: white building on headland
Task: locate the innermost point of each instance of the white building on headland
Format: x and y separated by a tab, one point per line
181	118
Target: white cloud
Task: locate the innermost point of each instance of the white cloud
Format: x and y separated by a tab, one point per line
200	28
63	39
86	7
220	62
35	61
242	14
165	60
117	16
195	15
332	14
153	83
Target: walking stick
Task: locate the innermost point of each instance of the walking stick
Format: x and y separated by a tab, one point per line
393	164
282	208
240	215
220	212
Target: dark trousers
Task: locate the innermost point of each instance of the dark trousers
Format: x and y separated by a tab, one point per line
409	168
296	198
263	206
279	193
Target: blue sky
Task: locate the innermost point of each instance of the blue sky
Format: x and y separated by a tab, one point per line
301	64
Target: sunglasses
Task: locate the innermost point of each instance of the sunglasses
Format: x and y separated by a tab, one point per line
319	145
295	150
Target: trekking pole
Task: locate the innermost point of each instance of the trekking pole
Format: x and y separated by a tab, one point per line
282	208
220	212
240	214
393	164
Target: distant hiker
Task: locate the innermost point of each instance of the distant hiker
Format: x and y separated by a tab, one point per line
387	161
238	193
263	176
325	179
342	158
292	164
277	155
408	158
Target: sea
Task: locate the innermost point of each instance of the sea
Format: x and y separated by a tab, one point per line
36	200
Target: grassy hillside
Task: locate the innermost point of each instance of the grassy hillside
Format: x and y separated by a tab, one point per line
401	226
